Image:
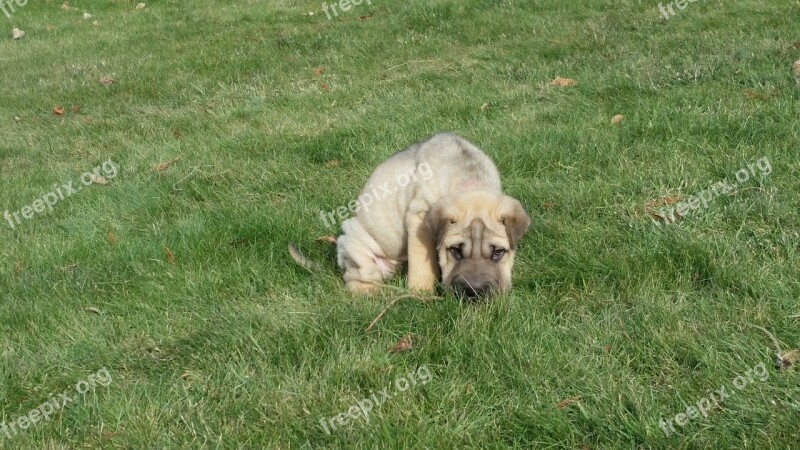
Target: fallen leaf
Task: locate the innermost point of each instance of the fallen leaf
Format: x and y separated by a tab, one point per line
405	344
564	403
106	80
332	163
97	179
70	267
165	165
50	27
607	348
329	239
140	5
92	310
661	202
319	70
788	359
177	133
796	68
58	110
16	33
95	23
18	266
366	17
169	254
547	206
563	82
112	238
324	87
87	15
486	106
616	120
760	96
65	6
76	108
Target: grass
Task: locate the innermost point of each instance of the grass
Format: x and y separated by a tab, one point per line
179	283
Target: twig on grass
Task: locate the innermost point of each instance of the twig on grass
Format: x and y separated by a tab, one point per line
386	309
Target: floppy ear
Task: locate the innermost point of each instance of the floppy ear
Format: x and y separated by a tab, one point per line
515	219
438	219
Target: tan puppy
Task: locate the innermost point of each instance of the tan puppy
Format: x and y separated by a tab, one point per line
437	205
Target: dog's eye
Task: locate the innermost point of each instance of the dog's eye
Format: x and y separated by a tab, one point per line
497	254
456	252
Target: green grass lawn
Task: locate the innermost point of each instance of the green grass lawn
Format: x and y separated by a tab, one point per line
178	283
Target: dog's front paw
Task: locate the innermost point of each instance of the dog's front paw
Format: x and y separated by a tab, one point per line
421	282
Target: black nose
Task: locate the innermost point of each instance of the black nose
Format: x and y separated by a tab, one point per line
472	289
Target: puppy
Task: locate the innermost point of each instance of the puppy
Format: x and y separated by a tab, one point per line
437	205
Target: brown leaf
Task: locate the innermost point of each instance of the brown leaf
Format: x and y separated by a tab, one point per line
405	344
332	163
97	179
324	87
106	80
607	348
486	106
177	133
50	27
563	82
329	239
547	206
788	359
169	254
662	201
796	45
616	120
796	68
66	6
367	17
564	403
76	108
70	268
165	165
760	95
319	71
112	238
18	266
58	110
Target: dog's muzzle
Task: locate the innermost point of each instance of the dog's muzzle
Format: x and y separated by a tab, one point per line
473	288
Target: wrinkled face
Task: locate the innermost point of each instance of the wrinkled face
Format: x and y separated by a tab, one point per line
476	236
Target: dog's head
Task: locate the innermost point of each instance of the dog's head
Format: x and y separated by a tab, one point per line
476	235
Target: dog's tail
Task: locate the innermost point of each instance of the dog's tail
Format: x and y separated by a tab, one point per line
302	259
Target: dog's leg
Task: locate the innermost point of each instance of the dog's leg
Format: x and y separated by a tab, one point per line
422	266
363	265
